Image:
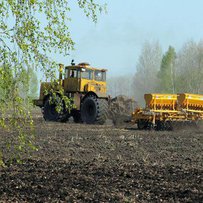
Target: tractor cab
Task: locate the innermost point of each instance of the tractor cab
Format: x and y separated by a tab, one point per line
83	78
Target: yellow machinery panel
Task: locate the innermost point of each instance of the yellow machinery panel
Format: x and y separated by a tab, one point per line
98	87
71	85
164	108
191	102
161	102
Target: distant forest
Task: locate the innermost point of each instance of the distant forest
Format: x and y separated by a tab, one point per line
157	72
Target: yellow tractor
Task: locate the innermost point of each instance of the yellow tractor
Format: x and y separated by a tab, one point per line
85	86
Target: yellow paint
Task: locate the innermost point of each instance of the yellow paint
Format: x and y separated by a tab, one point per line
74	84
83	85
71	85
164	107
93	86
191	102
161	101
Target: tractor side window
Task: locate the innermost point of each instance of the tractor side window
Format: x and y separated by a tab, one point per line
73	73
100	75
66	73
86	74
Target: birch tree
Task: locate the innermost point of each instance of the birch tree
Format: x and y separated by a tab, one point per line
145	79
190	68
30	31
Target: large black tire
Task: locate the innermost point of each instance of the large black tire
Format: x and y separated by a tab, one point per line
141	124
164	125
94	110
160	125
76	116
144	125
50	113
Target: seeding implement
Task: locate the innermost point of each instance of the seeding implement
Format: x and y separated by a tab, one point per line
163	110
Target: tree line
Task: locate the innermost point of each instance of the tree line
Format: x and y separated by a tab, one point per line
24	82
157	72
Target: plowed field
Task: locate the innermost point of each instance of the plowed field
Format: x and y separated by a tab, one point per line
89	163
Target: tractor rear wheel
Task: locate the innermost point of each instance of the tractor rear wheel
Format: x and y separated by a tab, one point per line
94	110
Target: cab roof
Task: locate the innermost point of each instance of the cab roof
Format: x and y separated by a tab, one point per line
86	66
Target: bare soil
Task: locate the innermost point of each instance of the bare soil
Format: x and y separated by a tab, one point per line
90	163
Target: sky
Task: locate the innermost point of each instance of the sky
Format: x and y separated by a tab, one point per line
116	41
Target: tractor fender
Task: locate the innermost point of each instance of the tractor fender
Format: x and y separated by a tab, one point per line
88	94
98	95
49	95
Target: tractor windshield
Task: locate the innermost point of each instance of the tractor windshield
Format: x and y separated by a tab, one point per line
100	75
86	74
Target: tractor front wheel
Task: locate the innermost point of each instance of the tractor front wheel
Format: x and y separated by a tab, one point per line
50	113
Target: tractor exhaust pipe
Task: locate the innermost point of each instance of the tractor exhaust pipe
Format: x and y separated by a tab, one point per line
61	67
